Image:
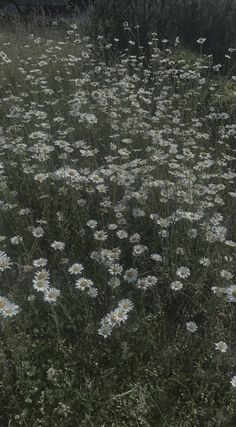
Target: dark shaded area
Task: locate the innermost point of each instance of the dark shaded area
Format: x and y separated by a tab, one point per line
214	20
38	7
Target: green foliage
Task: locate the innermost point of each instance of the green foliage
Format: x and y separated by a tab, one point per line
188	19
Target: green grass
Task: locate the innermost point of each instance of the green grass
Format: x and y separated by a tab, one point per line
145	150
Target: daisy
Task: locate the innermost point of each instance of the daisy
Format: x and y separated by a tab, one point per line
10	310
137	213
135	238
92	223
105	330
226	275
126	305
42	275
192	327
16	240
38	232
100	235
76	268
58	245
113	254
112	226
139	250
156	257
120	315
221	346
114	282
201	40
4	261
121	234
83	284
183	272
40	262
92	292
142	284
40	285
180	251
233	381
131	275
51	294
109	319
204	261
151	280
231	292
115	269
176	286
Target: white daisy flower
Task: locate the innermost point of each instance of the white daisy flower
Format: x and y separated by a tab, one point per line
183	272
40	285
105	330
120	315
126	305
204	261
40	262
226	275
92	223
233	381
38	232
131	275
42	275
156	257
192	327
135	238
51	294
221	346
92	292
58	245
115	269
142	284
100	235
176	286
112	226
201	40
231	292
4	261
10	310
16	240
122	234
76	268
83	284
114	282
139	250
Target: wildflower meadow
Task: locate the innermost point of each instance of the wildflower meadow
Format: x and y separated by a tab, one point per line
117	232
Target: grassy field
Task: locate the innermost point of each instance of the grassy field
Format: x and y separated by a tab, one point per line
117	246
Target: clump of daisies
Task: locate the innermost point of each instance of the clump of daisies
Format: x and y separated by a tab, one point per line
146	282
86	285
115	318
41	283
